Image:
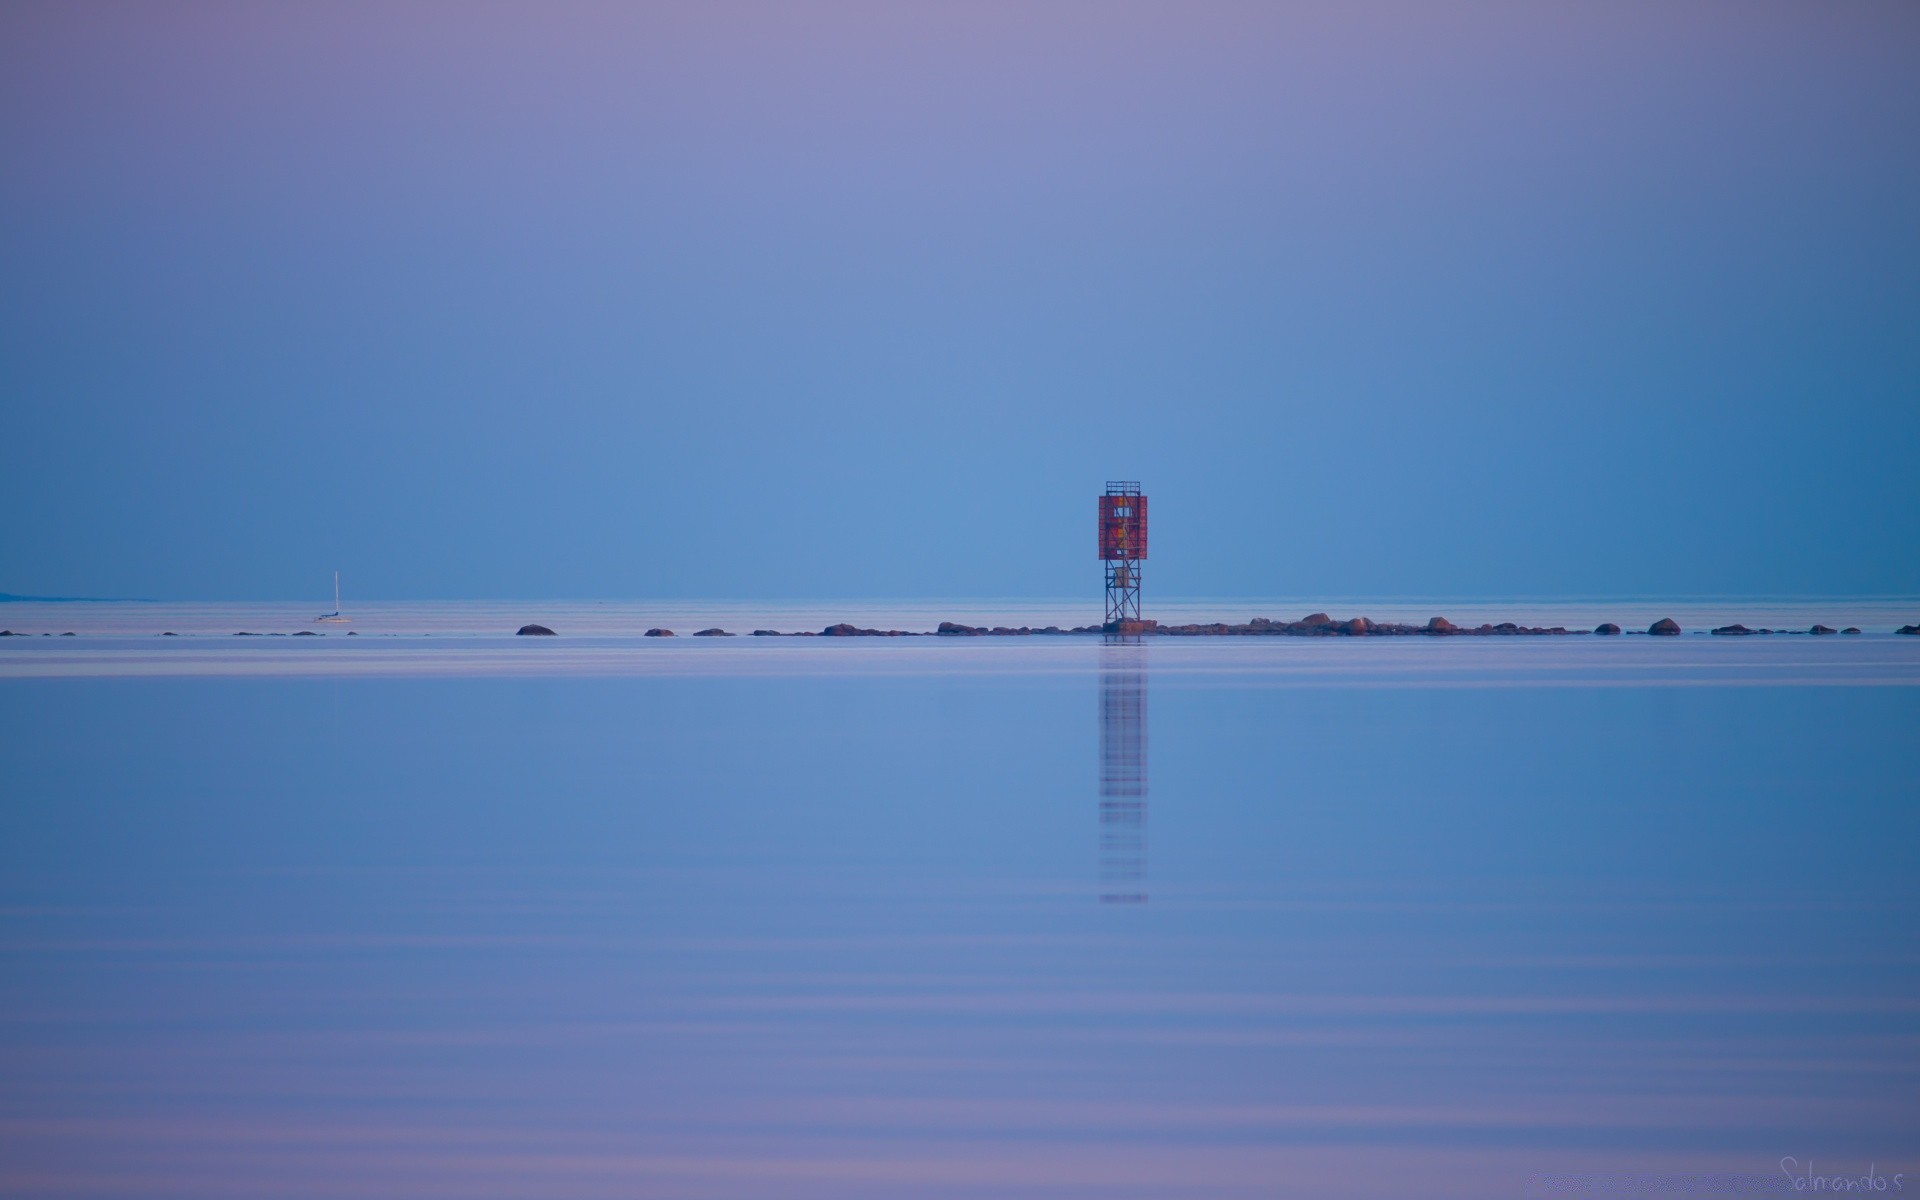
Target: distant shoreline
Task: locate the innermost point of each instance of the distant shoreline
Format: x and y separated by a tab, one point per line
1317	624
10	598
1314	625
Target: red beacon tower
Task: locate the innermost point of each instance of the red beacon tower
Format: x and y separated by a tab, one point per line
1123	544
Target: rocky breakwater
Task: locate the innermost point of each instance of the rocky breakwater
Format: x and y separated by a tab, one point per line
1313	625
1738	630
946	629
955	629
1322	625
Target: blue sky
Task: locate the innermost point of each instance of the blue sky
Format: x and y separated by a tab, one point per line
869	300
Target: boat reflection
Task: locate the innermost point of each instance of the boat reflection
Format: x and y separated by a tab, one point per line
1123	771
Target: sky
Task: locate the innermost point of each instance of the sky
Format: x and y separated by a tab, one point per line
845	300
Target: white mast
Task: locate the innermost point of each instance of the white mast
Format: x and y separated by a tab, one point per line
335	617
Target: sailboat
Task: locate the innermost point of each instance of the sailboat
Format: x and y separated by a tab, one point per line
336	617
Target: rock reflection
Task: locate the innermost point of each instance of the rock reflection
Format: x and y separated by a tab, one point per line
1123	772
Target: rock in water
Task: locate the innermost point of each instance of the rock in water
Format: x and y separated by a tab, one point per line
1606	628
716	632
1818	630
1664	627
1851	629
1735	630
1316	619
535	631
1356	627
659	633
1908	629
1441	625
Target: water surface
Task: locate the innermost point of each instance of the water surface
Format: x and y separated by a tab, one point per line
465	915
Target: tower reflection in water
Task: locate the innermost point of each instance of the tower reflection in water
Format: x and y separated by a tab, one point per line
1123	771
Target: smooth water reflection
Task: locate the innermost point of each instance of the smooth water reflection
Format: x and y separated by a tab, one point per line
831	933
1123	772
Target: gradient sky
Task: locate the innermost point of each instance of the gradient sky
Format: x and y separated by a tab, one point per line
869	300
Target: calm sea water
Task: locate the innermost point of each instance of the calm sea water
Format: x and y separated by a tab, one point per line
434	911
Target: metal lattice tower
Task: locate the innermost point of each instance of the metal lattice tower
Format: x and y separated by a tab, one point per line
1123	544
